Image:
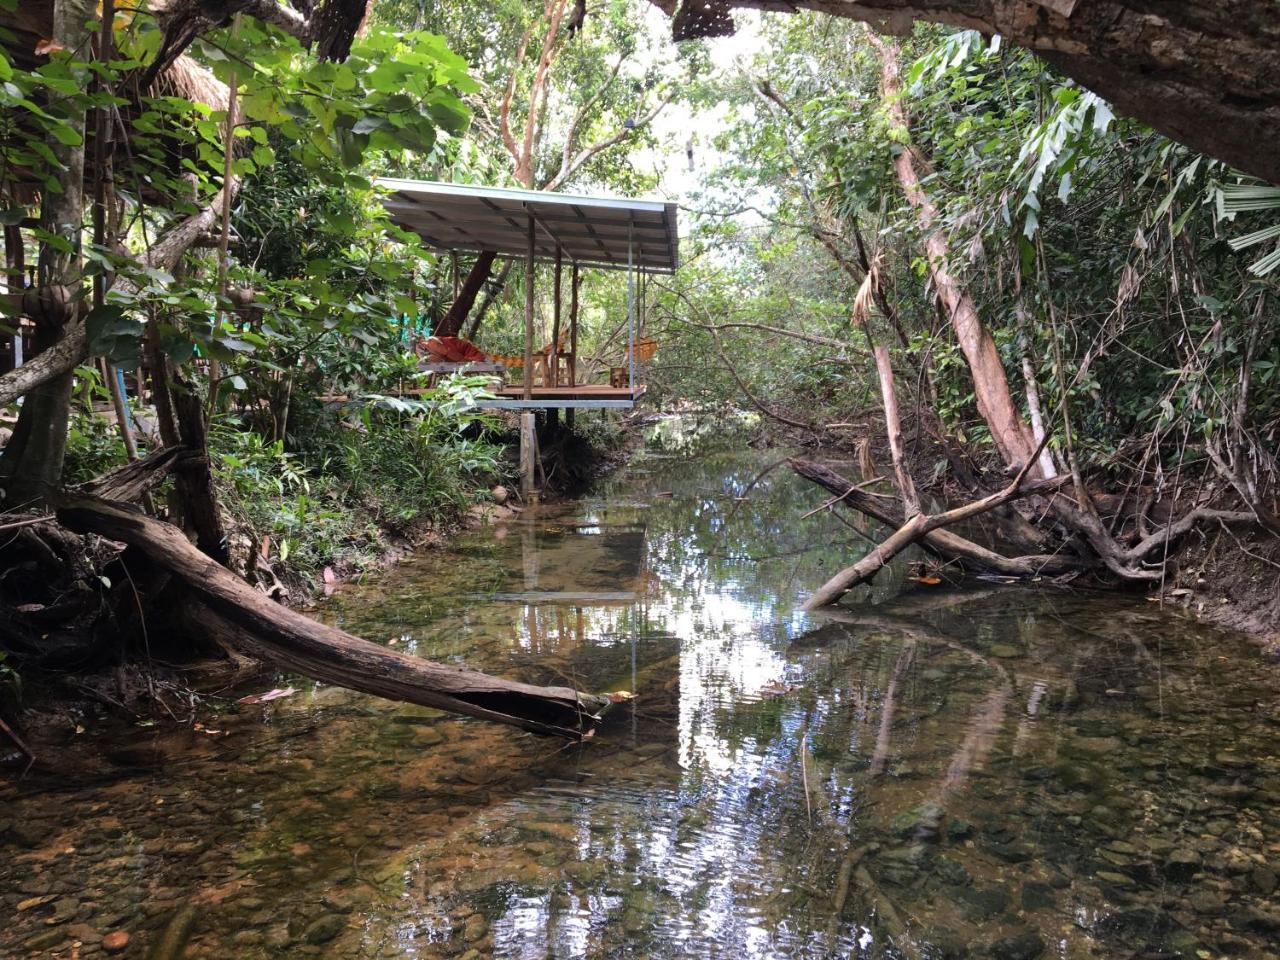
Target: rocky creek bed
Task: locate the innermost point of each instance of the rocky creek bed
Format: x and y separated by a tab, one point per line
997	772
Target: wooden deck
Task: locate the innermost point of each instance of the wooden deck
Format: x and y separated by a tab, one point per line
511	397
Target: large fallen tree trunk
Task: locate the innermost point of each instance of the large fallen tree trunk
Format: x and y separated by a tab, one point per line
250	622
944	543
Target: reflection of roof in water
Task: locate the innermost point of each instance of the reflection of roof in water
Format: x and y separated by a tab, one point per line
577	562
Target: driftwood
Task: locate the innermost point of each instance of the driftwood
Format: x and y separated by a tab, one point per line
920	525
944	543
250	622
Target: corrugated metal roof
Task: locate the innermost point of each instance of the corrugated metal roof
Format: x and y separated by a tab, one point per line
594	231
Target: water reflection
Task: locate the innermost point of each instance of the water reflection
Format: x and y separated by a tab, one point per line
1006	773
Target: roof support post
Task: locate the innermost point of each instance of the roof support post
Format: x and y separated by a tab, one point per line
554	376
528	315
573	325
631	310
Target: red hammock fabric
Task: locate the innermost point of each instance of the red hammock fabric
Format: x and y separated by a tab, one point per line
453	350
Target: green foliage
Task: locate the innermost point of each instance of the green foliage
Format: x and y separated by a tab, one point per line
1091	246
376	466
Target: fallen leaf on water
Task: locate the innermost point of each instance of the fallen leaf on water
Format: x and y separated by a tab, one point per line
777	689
275	694
930	580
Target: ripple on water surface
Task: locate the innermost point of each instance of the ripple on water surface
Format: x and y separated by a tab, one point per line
1005	773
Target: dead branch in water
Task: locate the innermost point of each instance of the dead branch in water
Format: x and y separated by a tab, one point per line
921	524
944	543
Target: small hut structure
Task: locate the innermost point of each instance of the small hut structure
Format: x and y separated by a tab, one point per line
637	236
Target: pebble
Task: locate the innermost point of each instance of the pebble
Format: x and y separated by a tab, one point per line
84	933
324	929
1207	901
45	941
476	927
116	941
1263	880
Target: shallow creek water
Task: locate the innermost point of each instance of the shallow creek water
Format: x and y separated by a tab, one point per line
995	771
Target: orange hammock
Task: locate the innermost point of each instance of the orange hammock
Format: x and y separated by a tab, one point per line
459	350
518	361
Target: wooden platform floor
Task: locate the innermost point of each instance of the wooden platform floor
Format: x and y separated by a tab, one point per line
587	391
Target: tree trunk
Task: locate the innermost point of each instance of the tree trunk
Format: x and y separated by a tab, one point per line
456	316
72	349
31	466
1205	74
490	294
991	387
235	614
893	428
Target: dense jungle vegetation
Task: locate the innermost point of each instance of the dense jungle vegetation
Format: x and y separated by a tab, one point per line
938	238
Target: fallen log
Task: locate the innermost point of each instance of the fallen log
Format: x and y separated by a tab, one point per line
252	623
944	543
917	527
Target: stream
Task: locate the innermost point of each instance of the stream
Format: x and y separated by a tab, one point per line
994	771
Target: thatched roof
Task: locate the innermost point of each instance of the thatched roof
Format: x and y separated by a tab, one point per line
32	21
189	80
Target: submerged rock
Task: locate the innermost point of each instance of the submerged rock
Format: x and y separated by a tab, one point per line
116	941
1263	880
324	929
1182	863
1027	945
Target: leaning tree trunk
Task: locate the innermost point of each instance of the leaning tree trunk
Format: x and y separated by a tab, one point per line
31	467
457	313
1012	437
237	616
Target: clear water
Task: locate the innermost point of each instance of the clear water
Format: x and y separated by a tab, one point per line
1003	772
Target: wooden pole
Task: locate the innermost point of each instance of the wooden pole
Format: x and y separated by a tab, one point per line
103	190
574	280
554	376
528	316
528	452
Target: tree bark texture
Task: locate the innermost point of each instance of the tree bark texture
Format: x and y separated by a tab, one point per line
456	316
31	466
248	621
1012	437
1205	74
